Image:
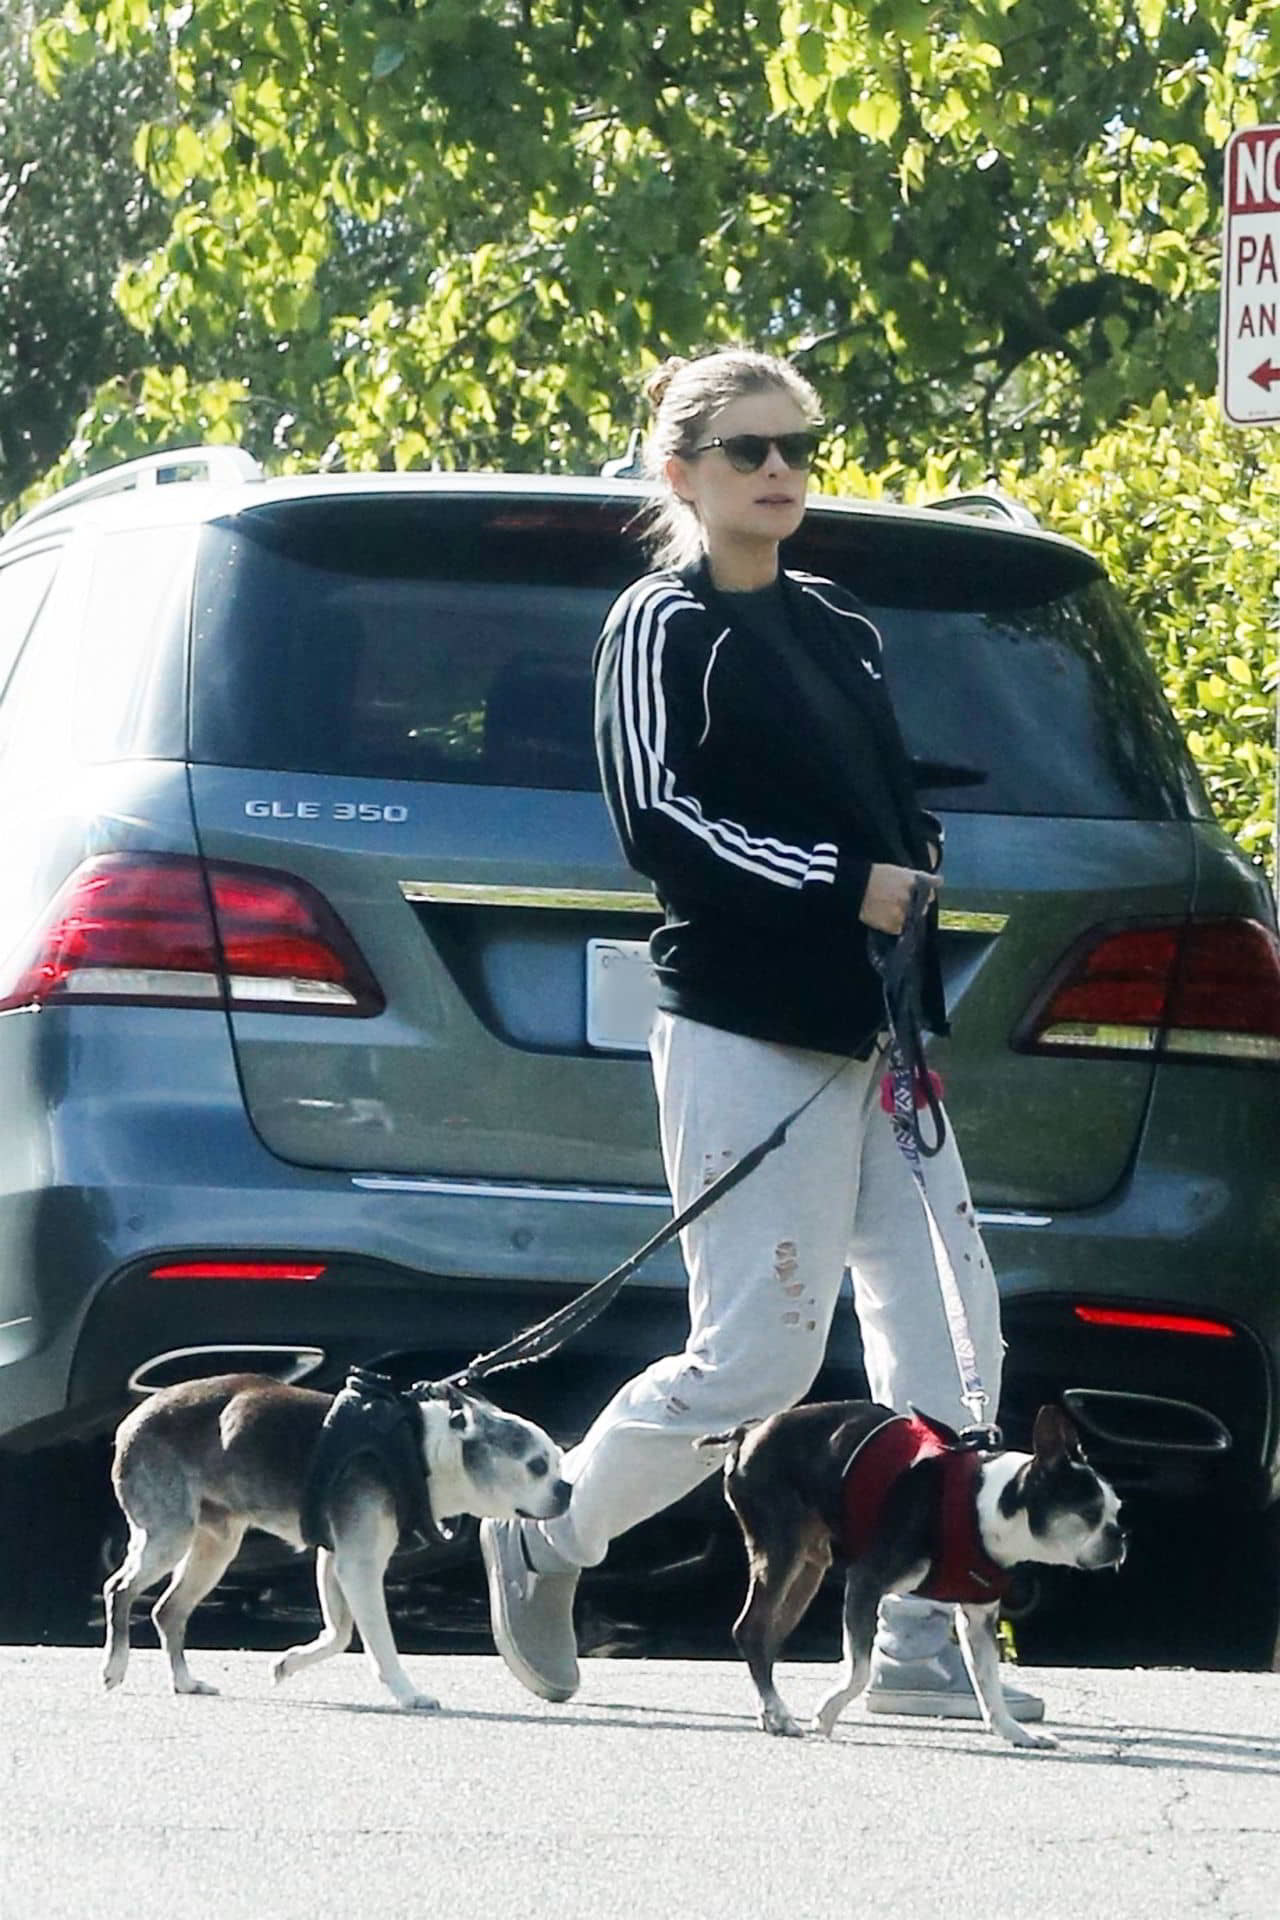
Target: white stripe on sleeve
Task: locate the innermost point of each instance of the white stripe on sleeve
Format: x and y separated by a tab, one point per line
644	729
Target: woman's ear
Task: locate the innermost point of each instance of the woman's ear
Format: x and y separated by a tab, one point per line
676	474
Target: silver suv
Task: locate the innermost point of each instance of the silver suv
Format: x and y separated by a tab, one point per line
323	990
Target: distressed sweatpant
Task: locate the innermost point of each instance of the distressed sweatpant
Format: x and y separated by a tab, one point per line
765	1267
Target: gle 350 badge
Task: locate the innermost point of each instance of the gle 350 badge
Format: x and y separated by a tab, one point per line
368	811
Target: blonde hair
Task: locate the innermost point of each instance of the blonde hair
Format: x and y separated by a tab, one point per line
683	396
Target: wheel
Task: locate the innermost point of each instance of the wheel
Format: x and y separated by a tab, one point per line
54	1510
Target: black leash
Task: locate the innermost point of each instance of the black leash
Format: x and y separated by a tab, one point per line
374	1421
897	960
536	1342
372	1418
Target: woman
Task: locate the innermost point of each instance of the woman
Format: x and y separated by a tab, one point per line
754	771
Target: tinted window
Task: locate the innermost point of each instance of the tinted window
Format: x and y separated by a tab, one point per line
451	640
388	639
1045	709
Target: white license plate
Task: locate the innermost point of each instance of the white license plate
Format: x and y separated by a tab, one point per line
622	994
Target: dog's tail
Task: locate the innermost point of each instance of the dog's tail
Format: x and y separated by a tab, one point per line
726	1444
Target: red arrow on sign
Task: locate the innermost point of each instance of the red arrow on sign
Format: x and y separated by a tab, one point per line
1263	376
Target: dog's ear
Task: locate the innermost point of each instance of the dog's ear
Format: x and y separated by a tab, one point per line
1054	1437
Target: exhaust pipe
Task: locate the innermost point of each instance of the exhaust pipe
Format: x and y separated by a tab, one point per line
286	1364
1146	1422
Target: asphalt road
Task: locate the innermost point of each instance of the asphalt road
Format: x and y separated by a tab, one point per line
650	1794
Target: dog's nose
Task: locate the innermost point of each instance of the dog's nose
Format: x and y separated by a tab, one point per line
562	1490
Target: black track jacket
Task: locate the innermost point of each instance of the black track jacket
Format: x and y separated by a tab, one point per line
756	788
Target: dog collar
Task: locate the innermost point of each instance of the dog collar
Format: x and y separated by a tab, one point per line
960	1569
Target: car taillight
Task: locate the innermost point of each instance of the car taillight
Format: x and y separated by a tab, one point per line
1143	1320
1207	989
286	1272
173	930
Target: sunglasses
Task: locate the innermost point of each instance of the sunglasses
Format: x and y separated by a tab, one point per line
747	452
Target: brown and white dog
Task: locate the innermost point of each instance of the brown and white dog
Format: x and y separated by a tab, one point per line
198	1464
787	1481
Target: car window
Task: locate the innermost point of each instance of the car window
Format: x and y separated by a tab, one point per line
23	585
451	640
1047	709
129	686
402	644
101	675
34	732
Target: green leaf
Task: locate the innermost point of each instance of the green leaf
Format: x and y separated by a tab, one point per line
877	115
388	58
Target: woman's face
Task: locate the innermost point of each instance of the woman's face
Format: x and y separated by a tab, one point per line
764	506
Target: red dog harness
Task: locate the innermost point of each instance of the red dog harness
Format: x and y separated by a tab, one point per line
960	1569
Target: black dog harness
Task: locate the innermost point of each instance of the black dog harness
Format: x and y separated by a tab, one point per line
373	1424
960	1568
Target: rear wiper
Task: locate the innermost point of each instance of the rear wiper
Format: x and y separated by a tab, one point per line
946	773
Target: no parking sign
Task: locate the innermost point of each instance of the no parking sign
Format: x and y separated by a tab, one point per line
1249	313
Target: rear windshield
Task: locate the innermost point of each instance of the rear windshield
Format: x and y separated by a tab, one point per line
451	640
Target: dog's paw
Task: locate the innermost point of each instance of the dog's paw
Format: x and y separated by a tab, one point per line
419	1703
824	1722
1019	1736
195	1686
110	1679
282	1669
778	1720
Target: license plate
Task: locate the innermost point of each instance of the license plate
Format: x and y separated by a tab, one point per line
622	995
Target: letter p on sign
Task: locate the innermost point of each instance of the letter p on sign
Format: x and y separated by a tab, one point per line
1249	314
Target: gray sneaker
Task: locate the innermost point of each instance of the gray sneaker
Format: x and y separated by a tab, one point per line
939	1687
532	1613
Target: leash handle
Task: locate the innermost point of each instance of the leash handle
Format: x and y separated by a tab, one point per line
897	959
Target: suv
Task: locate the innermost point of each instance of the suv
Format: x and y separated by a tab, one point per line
323	989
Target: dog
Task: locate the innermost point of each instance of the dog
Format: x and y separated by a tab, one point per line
198	1464
787	1481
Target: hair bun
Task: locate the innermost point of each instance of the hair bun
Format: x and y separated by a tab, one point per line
655	386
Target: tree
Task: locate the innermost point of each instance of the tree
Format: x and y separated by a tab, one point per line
447	230
73	206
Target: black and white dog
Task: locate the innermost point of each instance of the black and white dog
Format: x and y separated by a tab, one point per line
939	1518
198	1464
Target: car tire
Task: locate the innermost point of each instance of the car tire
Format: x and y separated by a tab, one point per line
54	1510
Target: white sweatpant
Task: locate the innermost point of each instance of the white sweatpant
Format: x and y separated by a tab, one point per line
765	1266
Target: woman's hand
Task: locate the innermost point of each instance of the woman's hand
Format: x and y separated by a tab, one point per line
888	895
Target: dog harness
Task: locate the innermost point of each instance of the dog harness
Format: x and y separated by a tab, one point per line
370	1422
960	1569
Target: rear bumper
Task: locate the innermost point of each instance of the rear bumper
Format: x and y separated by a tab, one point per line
422	1275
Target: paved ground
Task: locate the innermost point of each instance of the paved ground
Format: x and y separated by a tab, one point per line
650	1794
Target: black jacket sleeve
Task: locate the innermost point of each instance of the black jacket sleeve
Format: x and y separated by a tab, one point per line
653	663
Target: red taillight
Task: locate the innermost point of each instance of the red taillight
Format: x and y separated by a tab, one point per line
172	930
287	1271
1155	1322
1201	988
282	944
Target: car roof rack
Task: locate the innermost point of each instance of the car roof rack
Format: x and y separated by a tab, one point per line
217	466
631	465
989	504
